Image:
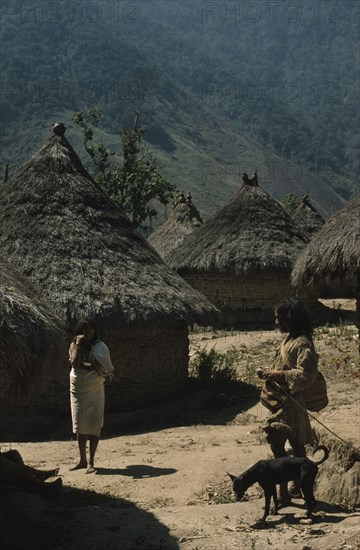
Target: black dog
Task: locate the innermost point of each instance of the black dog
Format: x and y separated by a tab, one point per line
269	473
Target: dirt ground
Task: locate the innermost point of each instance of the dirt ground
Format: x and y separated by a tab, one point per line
164	485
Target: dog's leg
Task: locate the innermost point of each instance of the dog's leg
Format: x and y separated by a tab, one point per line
268	493
277	440
275	499
285	498
298	450
310	502
307	486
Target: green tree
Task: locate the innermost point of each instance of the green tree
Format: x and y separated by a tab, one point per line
133	181
289	202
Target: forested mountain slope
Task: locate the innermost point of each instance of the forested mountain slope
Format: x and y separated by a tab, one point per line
222	86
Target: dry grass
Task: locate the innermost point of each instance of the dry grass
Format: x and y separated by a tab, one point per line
64	233
307	218
184	219
30	339
251	234
334	253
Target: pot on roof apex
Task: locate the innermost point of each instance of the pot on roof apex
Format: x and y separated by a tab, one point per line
59	129
250	181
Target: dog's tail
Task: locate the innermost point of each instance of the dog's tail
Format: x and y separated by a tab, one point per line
326	454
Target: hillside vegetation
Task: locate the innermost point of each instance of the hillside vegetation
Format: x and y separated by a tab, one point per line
222	86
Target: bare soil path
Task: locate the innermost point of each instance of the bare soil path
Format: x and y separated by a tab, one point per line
166	487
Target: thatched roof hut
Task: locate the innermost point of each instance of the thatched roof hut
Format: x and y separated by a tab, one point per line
183	220
242	257
65	234
307	217
30	340
333	255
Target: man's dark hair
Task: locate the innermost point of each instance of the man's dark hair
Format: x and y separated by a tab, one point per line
293	315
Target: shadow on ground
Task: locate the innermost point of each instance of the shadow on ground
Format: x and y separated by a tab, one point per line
198	403
92	520
28	521
136	471
324	513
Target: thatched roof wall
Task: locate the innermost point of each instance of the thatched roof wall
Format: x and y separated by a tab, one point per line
307	217
183	220
252	233
30	339
334	252
64	233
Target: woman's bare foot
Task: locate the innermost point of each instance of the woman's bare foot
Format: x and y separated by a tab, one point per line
79	466
91	469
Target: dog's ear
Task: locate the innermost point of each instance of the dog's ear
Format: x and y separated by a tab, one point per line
231	476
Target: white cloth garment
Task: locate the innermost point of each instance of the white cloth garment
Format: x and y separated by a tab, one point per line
87	393
101	353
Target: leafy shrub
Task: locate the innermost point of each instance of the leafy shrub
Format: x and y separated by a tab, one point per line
212	365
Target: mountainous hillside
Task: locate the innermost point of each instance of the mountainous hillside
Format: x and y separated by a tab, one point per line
222	86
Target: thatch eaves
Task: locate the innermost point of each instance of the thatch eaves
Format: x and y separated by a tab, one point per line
183	220
30	339
307	217
334	252
251	234
63	232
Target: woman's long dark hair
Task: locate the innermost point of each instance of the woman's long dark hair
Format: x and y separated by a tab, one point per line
83	323
294	318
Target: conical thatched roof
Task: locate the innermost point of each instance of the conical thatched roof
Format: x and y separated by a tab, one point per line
334	252
62	231
307	217
184	219
250	234
30	339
